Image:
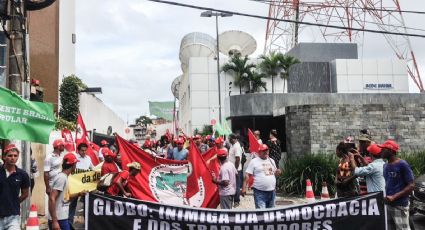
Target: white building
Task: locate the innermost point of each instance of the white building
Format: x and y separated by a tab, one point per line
98	116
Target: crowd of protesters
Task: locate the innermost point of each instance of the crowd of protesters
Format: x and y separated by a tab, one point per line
368	167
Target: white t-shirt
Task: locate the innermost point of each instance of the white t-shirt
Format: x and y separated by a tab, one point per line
53	165
236	151
62	201
263	172
85	162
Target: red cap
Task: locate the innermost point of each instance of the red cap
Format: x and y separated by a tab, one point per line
10	147
108	152
180	141
197	136
147	144
219	140
222	152
70	158
390	144
104	142
374	150
208	137
58	142
263	147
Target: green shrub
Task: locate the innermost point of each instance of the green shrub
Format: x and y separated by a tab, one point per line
316	167
416	161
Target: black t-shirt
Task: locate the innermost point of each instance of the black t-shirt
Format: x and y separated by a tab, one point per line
10	188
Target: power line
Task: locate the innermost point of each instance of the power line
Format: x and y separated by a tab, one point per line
285	20
278	3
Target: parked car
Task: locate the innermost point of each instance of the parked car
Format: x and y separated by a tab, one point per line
417	198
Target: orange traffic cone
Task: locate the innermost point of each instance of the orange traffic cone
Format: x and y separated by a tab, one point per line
32	223
325	193
309	194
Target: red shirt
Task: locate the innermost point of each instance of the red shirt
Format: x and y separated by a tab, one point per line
108	168
114	190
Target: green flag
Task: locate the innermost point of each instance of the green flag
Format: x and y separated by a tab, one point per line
162	109
24	120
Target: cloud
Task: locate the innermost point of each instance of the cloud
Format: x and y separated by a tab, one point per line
131	48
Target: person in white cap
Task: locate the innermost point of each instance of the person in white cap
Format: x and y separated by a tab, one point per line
118	187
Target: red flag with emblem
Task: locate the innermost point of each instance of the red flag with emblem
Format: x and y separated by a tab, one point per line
69	141
210	158
82	137
167	181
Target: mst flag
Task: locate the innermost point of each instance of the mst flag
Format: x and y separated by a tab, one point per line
82	137
354	213
165	181
210	158
25	120
69	141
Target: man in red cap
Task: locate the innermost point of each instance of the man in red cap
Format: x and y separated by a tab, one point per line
226	181
119	184
180	153
219	142
399	181
109	165
59	197
264	171
203	148
52	163
14	188
373	172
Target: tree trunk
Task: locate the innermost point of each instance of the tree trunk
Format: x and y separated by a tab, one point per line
272	84
284	84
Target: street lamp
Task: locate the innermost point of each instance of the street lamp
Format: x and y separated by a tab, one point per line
209	14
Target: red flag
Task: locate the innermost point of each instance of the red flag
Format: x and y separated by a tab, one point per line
69	141
253	142
167	181
210	158
82	137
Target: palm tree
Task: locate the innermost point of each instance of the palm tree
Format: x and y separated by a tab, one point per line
241	68
286	62
256	81
271	65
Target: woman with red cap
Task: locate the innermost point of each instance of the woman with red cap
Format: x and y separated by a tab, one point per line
373	172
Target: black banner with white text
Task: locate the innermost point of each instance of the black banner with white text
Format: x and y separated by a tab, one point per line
110	213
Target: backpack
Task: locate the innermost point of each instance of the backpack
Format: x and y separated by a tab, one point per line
106	181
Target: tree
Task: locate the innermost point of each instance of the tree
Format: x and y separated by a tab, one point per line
241	69
271	65
256	81
286	62
143	121
69	98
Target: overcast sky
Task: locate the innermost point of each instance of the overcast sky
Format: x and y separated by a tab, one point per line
130	48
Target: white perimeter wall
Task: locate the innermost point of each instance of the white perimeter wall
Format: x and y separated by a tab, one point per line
66	47
97	115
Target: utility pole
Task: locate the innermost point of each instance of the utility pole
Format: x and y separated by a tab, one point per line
18	79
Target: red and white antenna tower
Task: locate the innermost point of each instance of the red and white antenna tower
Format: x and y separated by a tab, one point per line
382	15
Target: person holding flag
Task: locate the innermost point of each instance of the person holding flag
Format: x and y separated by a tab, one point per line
264	171
109	166
226	181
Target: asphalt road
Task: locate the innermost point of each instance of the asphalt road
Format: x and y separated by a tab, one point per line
419	221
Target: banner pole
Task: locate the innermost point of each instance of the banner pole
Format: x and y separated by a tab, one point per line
86	211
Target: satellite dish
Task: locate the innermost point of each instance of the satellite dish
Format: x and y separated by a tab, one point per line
175	86
237	42
196	45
